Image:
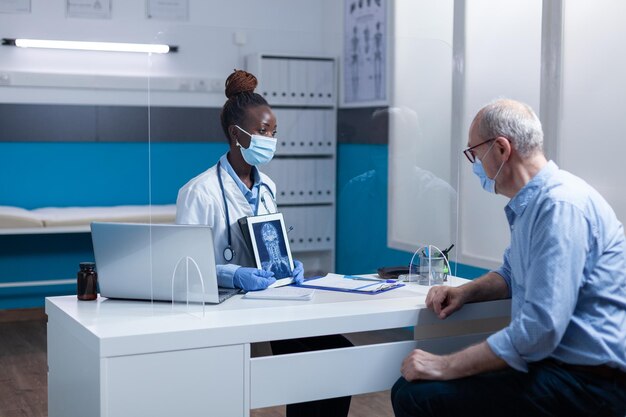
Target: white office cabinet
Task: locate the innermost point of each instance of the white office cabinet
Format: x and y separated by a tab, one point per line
313	227
303	181
304	131
302	92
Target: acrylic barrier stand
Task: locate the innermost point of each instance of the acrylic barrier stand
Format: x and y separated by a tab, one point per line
429	266
188	289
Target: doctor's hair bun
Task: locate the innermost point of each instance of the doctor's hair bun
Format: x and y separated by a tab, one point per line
240	82
240	87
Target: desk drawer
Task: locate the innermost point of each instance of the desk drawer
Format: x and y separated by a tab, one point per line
310	376
331	373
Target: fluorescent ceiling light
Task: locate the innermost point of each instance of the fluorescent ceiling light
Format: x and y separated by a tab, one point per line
91	46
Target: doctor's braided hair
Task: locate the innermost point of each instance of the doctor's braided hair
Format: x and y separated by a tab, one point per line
240	87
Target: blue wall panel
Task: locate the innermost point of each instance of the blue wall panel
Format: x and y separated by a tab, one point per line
93	174
362	210
87	174
81	174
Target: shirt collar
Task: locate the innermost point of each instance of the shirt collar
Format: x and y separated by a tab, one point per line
518	203
244	189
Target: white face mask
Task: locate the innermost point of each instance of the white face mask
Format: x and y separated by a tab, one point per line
260	151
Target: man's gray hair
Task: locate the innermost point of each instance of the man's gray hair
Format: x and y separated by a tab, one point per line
515	121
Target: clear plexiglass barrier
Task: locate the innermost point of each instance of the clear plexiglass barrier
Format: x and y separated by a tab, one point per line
360	184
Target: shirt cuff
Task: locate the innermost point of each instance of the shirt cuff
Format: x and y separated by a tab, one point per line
225	274
502	346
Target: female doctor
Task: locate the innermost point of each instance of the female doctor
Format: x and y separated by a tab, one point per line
235	188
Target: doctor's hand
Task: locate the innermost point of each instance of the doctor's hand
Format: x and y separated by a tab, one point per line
444	300
252	279
298	272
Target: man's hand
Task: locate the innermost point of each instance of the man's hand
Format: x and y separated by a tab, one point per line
445	300
423	365
467	362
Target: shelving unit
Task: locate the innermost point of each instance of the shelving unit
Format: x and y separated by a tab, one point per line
303	94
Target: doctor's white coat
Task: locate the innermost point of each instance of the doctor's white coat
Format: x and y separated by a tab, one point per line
200	202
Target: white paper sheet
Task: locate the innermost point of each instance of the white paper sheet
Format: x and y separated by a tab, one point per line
282	293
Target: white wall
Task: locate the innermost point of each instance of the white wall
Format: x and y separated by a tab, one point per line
206	45
584	64
502	59
592	133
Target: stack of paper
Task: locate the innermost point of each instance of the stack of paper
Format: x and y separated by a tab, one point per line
282	293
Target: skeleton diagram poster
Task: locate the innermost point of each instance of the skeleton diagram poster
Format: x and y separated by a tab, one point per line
365	52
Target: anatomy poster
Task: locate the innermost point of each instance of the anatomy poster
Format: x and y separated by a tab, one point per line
365	52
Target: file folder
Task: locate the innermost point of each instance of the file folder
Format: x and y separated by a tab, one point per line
346	283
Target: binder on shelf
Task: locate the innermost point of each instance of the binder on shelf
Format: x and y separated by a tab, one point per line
325	180
268	72
297	68
307	179
330	122
318	129
307	140
322	92
293	82
283	86
328	87
284	118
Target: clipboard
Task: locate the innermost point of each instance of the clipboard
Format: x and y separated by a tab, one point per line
358	285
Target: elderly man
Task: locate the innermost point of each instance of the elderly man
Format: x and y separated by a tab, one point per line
564	351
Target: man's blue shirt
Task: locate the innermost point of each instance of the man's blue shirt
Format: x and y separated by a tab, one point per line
566	273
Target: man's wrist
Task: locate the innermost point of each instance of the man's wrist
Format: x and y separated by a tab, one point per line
455	368
466	292
473	360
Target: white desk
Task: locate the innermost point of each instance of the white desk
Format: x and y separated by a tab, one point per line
125	358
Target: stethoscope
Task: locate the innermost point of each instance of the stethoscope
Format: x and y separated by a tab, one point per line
229	253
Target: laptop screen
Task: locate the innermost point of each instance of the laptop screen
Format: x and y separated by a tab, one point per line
160	262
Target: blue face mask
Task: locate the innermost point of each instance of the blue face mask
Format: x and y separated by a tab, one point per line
487	183
260	151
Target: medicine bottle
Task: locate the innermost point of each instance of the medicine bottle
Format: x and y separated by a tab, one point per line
87	282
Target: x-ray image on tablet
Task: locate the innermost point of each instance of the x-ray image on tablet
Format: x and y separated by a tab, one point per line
271	246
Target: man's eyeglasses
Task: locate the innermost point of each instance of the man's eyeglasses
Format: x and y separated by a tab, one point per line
469	152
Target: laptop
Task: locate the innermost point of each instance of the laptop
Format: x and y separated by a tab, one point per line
160	262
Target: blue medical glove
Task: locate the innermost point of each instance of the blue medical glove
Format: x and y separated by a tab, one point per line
252	279
298	272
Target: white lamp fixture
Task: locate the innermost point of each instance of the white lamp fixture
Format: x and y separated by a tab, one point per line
91	46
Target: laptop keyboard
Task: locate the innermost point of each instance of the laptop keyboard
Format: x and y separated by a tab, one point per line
224	294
